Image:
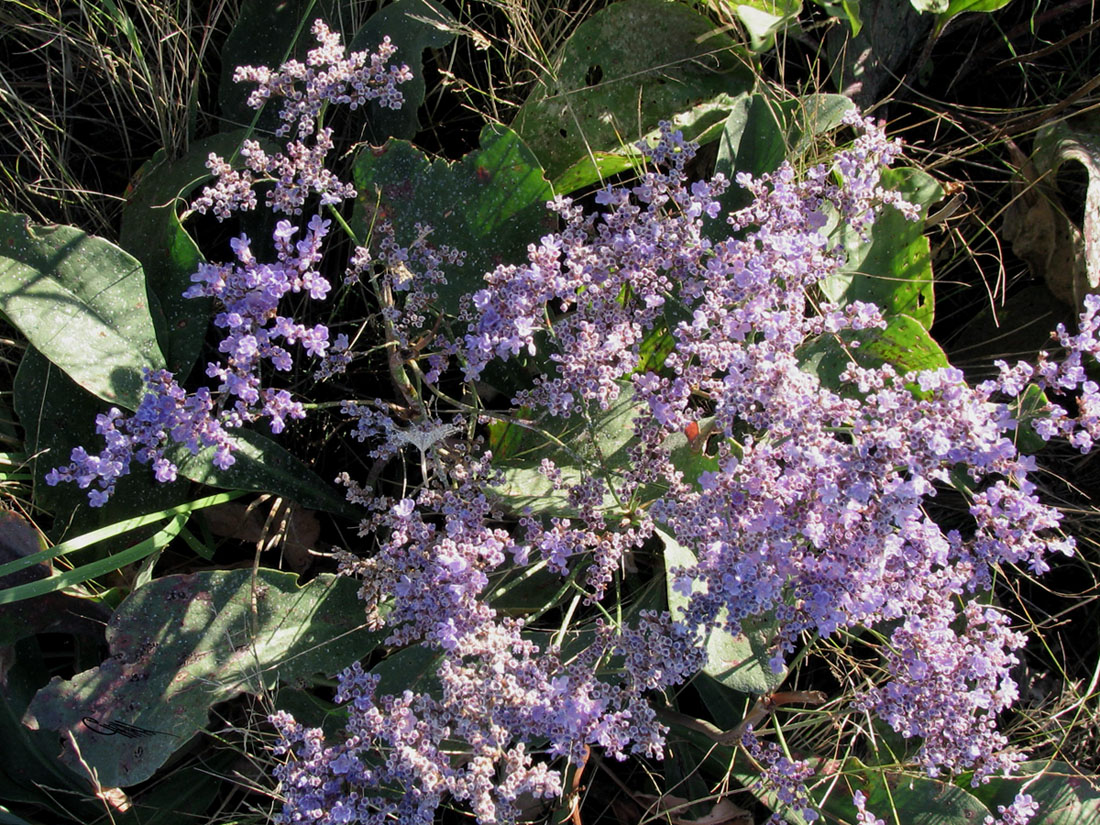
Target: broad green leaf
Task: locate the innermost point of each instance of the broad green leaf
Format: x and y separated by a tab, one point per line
726	708
81	301
525	590
1064	795
596	167
893	270
916	799
701	123
412	26
847	10
411	668
30	773
761	132
656	346
808	118
624	69
948	10
581	447
738	662
491	204
1076	139
959	6
179	645
752	141
151	231
182	794
763	19
262	465
904	344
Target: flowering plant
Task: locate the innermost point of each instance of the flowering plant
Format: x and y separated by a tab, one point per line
670	421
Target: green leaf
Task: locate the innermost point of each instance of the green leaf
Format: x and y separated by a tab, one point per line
181	794
752	141
491	204
916	799
411	668
949	8
183	643
1076	139
738	662
905	344
81	302
624	69
701	123
596	167
847	10
1064	795
262	465
960	6
580	446
763	19
412	26
894	269
761	132
30	773
151	231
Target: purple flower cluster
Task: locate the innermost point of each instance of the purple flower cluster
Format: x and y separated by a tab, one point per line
1062	376
863	816
1019	812
249	292
645	246
166	414
817	513
499	691
784	777
813	512
327	76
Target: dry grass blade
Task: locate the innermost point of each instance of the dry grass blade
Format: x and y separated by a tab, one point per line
126	78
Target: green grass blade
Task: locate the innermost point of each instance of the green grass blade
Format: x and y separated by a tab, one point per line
96	568
112	530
